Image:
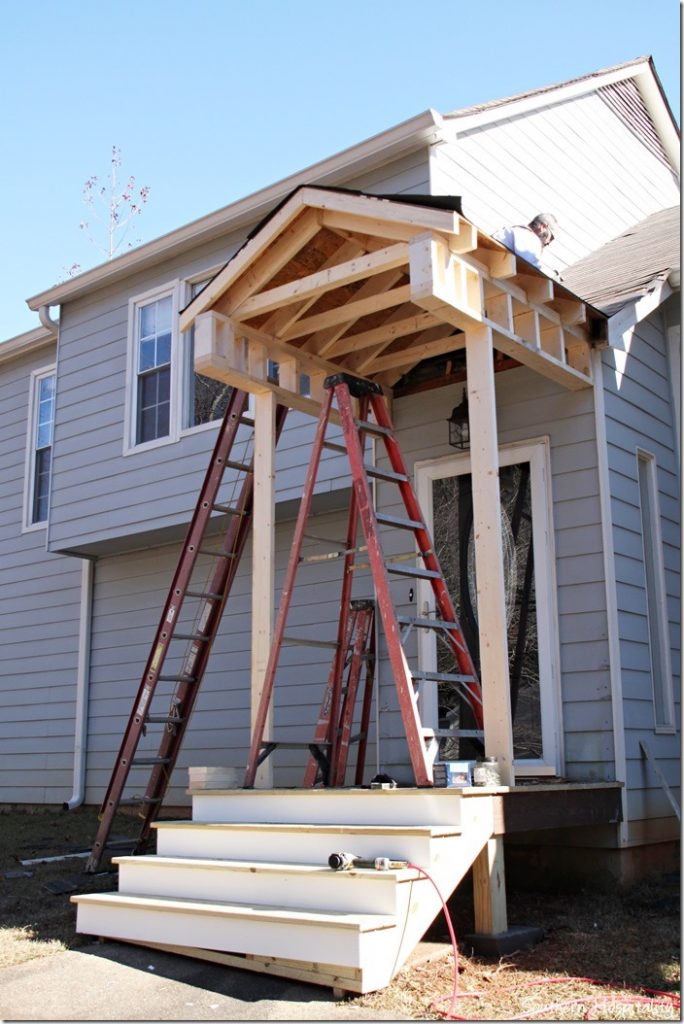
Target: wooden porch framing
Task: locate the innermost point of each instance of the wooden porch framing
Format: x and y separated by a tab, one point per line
338	281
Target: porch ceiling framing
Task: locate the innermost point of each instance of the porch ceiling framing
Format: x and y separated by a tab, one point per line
339	282
336	281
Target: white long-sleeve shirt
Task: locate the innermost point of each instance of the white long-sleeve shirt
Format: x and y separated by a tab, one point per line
523	241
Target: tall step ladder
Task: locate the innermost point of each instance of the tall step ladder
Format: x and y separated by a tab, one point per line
373	420
204	583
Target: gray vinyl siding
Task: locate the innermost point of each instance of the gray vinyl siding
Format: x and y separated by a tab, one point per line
39	616
101	496
129	593
639	415
577	159
529	406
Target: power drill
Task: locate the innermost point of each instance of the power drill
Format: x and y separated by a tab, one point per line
347	861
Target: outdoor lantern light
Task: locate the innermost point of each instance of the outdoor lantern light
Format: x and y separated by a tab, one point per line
459	428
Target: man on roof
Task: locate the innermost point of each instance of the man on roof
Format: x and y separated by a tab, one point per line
529	240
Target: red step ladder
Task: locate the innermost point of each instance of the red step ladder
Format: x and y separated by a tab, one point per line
208	595
373	420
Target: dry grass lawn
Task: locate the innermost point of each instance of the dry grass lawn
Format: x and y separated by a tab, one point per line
626	939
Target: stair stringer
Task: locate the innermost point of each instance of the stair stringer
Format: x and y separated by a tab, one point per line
450	862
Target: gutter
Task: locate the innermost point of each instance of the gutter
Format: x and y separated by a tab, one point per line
82	685
46	320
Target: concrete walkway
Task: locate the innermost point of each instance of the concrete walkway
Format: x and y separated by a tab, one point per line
114	981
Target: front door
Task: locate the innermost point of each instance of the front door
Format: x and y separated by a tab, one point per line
444	488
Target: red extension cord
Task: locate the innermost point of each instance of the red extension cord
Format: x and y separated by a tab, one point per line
654	997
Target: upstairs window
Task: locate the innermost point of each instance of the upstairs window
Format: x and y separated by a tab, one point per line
40	462
153	332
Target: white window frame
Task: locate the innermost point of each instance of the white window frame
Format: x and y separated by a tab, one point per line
37	376
536	451
173	289
654	591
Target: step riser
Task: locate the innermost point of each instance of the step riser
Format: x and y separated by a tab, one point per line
290	847
330	807
326	891
324	944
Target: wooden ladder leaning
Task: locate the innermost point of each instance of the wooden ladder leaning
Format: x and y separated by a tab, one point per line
206	601
373	420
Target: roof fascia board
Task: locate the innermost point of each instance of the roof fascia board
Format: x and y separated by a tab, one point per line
22	344
634	312
544	97
656	104
423	129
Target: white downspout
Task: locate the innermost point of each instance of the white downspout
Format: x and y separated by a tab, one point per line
82	685
46	320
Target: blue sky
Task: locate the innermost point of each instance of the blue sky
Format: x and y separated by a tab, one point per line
213	100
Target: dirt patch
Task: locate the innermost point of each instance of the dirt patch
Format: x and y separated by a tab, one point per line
627	939
37	917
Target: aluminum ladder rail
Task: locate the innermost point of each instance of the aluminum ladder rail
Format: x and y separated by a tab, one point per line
341	388
210	602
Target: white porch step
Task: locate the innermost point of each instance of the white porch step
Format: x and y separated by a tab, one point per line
347	939
297	886
329	806
298	843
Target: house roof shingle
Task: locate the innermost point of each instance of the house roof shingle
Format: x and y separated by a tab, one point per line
630	265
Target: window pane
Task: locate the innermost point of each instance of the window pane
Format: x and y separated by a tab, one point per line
163	419
163	349
454	543
163	385
147	321
163	325
147	355
41	486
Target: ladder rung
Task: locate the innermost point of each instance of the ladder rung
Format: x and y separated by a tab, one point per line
150	760
407	620
242	467
163	720
411	570
335	446
137	801
177	679
228	510
385	474
295	744
373	428
205	637
443	677
402	524
462	734
205	595
247	421
215	554
304	641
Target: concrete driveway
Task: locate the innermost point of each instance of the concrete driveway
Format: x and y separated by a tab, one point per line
114	981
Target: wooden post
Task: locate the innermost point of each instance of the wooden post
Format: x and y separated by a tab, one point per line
263	558
491	603
489	889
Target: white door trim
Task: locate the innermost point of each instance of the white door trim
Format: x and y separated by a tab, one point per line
536	451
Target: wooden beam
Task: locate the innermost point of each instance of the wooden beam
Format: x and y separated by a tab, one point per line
487	531
489	889
348	313
321	341
384	333
263	561
416	353
444	284
315	284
